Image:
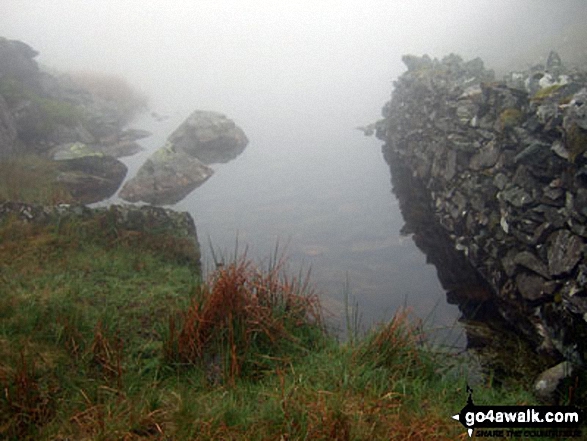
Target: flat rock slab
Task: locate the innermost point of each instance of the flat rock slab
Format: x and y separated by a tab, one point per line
167	177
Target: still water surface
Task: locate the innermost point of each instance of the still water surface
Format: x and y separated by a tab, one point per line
325	197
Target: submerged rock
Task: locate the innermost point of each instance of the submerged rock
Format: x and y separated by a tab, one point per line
167	177
209	136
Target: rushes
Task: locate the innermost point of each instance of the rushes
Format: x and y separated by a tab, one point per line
247	319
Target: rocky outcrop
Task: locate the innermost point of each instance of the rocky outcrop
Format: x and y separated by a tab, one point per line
175	230
50	109
7	130
504	169
167	177
209	136
176	169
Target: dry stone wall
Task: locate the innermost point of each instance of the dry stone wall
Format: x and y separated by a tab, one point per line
504	167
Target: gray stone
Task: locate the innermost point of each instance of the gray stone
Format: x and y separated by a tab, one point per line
530	261
91	179
209	136
166	177
564	252
73	150
119	149
500	180
8	131
531	286
516	196
486	157
548	381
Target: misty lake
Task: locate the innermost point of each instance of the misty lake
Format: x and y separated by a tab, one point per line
325	197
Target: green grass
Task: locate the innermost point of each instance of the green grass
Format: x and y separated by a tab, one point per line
103	338
31	179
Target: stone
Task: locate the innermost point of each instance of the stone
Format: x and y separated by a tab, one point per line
516	196
167	177
531	286
530	261
209	136
91	179
73	150
514	200
119	149
8	133
564	252
548	381
486	157
130	135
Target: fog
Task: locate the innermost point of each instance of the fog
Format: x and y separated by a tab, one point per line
305	58
297	77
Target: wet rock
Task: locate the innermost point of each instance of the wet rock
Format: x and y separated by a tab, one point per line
548	381
119	149
516	196
167	177
130	135
73	150
91	178
531	286
564	252
530	261
485	158
505	168
209	136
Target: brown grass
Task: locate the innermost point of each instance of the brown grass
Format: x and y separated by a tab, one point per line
245	313
31	179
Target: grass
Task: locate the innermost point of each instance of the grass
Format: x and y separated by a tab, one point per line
102	338
31	178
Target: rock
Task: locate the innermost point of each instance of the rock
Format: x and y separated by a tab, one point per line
129	135
548	381
177	228
486	157
167	177
530	261
91	179
119	149
564	252
516	196
73	150
8	131
504	166
17	61
209	136
531	286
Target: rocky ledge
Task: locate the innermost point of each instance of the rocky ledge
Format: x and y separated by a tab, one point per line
504	168
176	231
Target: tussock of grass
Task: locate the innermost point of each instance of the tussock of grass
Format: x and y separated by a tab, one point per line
88	351
246	320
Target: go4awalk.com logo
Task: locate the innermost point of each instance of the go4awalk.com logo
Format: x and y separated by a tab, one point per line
520	421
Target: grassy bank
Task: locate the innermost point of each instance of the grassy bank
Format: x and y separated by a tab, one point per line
103	338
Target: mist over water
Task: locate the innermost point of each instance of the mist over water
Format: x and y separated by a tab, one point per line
297	77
